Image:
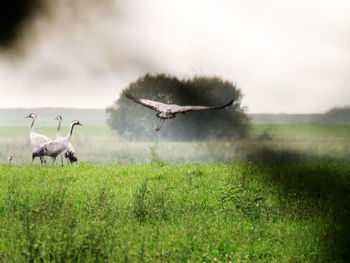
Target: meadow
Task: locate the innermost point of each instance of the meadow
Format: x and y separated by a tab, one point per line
163	212
281	195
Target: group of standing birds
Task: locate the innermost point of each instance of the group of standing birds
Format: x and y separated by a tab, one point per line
44	146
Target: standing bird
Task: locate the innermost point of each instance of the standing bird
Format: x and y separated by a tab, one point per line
9	160
36	139
56	147
70	153
169	111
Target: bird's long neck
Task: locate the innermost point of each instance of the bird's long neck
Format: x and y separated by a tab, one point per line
69	135
59	135
32	126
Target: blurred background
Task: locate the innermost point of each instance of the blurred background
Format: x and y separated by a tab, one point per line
289	61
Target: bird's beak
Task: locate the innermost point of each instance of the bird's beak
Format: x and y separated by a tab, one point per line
81	124
56	118
28	116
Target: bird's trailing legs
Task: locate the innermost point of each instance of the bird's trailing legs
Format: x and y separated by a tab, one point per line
160	124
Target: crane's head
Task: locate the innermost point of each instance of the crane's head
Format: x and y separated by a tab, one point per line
76	122
59	117
73	124
36	153
31	115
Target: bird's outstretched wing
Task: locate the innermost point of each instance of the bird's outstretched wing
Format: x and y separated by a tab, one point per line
154	105
183	109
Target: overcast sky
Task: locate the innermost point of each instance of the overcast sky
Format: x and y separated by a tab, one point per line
290	56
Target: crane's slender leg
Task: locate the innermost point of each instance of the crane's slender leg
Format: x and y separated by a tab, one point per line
61	159
160	124
53	159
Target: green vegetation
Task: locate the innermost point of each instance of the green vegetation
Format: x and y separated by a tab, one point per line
162	212
281	196
335	116
338	115
133	121
305	131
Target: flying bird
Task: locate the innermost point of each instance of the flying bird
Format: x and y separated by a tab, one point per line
56	147
69	153
36	139
169	111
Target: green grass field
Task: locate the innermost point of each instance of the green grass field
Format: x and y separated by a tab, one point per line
302	130
162	212
278	196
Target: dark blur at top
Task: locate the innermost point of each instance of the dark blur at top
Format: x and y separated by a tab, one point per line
278	52
18	19
15	15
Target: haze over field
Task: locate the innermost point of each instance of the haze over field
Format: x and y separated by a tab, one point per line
290	56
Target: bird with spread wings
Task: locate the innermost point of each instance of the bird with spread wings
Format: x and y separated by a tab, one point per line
169	111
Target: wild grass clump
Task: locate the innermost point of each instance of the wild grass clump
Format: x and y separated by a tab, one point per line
246	200
151	204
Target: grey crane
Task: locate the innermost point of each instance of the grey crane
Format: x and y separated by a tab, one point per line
70	153
36	139
169	111
56	147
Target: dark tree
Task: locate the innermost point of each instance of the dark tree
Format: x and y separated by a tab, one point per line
134	121
337	116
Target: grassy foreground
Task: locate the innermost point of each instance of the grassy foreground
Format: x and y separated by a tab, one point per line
162	212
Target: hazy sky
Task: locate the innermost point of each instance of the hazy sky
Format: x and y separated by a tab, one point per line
289	56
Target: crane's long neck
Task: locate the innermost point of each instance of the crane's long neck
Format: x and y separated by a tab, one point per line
69	135
32	126
59	135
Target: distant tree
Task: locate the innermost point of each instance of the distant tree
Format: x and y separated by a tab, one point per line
134	121
337	115
339	111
